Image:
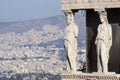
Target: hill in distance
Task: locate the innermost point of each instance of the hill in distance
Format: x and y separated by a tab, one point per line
47	24
37	46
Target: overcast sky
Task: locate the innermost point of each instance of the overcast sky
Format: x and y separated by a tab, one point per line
20	10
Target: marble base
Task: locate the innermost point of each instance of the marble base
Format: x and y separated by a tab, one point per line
110	73
89	76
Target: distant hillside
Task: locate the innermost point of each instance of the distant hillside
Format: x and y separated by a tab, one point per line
36	46
55	23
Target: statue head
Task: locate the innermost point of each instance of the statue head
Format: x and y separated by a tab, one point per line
70	18
103	16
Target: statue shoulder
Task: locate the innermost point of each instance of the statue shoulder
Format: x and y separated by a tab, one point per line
100	25
76	25
109	25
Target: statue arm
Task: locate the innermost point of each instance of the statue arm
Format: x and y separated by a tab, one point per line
76	31
100	32
110	35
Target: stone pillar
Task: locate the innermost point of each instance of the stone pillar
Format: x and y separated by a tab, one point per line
70	41
92	24
103	42
70	17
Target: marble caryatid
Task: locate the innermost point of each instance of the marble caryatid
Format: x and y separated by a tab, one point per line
70	42
103	42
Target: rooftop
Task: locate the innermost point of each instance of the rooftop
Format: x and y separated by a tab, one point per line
89	4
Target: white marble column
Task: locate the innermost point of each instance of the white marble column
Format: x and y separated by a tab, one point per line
70	41
103	42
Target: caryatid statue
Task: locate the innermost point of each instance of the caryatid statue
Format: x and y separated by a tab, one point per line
103	42
70	42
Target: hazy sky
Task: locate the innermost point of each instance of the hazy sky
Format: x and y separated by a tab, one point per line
19	10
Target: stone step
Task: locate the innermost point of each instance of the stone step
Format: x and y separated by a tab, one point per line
89	76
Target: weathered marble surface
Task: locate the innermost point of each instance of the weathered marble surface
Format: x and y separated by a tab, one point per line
89	76
70	42
103	42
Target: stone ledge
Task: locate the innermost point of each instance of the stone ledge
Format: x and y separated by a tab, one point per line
89	76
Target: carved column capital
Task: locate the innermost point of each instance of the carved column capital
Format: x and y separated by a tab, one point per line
103	16
69	17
